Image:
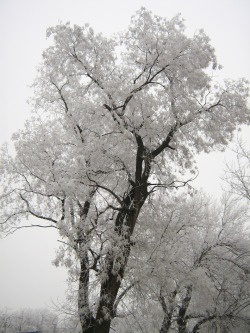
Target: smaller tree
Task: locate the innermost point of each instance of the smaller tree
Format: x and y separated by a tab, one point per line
192	270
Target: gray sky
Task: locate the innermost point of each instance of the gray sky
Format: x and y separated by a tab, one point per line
27	277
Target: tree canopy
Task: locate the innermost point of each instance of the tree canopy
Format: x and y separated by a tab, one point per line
116	125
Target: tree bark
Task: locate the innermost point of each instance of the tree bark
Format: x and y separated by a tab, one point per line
85	315
111	286
168	311
182	320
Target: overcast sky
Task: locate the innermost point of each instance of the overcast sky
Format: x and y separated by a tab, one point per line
27	277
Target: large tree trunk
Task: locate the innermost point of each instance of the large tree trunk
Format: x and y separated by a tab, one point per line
85	315
108	294
110	287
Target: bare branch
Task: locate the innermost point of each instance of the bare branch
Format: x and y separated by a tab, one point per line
119	298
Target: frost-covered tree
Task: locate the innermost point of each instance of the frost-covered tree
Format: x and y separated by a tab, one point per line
191	271
238	171
41	320
5	320
115	119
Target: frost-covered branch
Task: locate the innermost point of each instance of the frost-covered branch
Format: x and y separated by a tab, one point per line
30	211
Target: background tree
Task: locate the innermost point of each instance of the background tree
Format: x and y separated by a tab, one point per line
5	320
191	270
22	320
114	120
238	172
